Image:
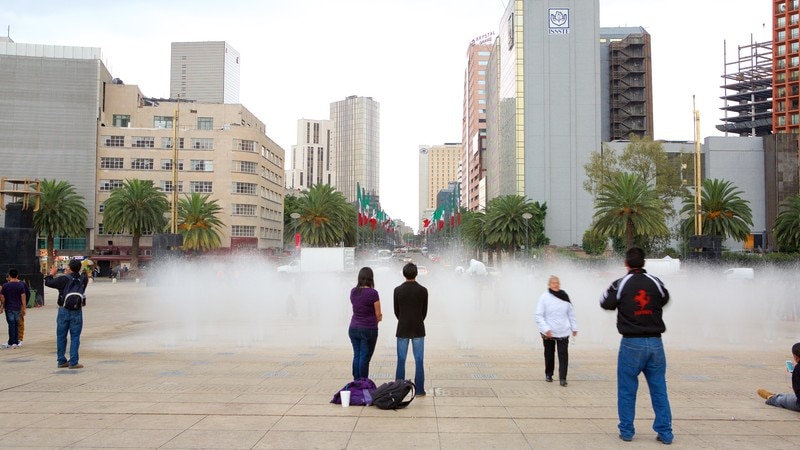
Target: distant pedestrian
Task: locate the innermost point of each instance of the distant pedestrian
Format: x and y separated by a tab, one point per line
639	299
790	400
13	302
363	329
411	309
555	317
67	321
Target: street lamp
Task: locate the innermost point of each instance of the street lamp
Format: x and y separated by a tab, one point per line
294	217
527	217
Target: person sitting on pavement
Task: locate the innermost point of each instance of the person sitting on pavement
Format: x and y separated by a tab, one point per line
791	400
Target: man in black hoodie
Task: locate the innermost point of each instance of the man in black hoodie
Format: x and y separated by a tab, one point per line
639	299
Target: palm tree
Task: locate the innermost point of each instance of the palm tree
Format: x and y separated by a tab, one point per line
198	222
787	224
473	228
137	207
723	211
61	213
506	229
627	207
326	219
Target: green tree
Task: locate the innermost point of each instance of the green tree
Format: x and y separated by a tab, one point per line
473	226
787	225
505	227
646	158
326	219
627	207
61	213
137	207
723	211
594	243
199	222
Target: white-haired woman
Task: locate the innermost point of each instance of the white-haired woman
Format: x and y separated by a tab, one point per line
555	317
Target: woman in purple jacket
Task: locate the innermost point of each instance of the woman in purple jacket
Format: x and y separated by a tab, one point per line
364	323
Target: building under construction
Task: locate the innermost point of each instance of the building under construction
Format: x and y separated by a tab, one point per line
748	91
630	79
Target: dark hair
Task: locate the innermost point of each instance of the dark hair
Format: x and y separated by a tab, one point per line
634	258
365	278
410	271
75	266
796	349
13	273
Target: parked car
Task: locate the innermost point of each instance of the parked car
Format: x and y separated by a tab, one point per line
422	271
739	273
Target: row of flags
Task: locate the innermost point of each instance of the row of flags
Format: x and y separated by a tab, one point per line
437	221
371	216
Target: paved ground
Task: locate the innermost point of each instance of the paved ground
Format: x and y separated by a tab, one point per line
142	390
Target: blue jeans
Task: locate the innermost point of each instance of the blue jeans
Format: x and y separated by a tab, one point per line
72	322
12	317
419	361
788	401
363	340
637	355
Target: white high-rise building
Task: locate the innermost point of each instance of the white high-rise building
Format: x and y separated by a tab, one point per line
204	72
356	144
312	156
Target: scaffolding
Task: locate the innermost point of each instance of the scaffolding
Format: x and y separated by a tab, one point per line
748	91
22	190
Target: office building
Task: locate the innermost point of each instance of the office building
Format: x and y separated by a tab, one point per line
311	160
232	160
543	110
356	145
438	169
52	97
473	136
626	80
204	72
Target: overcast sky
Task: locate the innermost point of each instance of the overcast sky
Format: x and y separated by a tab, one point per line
409	55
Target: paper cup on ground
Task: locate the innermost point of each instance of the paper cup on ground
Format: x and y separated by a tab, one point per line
345	398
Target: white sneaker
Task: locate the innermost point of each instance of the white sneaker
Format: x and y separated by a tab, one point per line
14	346
20	343
4	346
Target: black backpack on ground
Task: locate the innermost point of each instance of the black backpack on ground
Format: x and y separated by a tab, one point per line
392	395
74	298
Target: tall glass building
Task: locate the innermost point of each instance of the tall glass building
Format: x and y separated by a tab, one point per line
356	144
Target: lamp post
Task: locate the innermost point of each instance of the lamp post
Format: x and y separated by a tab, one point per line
527	217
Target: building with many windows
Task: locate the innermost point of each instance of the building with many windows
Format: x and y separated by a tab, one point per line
473	123
204	72
223	151
438	169
356	145
311	159
543	110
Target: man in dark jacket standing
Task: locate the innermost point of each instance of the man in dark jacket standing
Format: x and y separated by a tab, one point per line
639	299
411	308
67	320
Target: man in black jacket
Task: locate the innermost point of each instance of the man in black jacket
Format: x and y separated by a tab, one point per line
639	299
411	308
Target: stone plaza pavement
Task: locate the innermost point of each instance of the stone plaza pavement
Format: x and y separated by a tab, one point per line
139	395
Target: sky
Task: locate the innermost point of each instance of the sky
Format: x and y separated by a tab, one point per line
409	55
